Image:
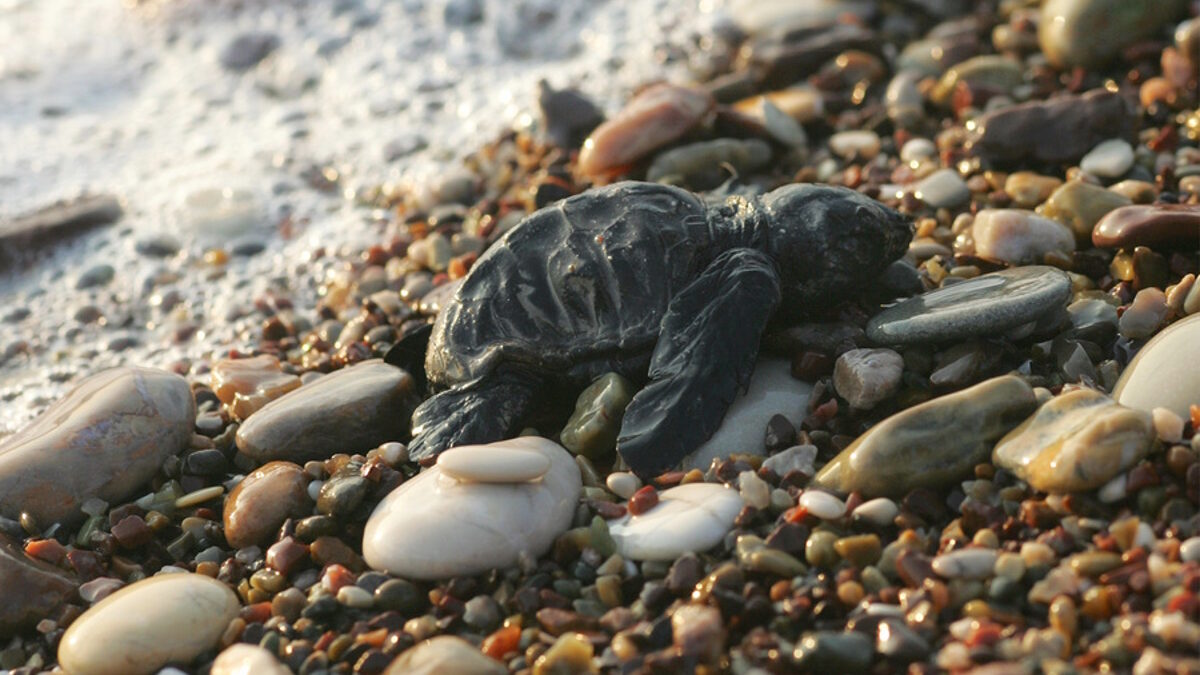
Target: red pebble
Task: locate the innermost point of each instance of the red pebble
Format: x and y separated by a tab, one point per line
259	612
608	510
337	576
285	554
48	550
643	500
132	532
501	643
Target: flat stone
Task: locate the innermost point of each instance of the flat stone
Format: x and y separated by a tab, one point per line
688	518
653	118
445	655
1155	225
1054	131
1017	236
1155	378
772	391
105	439
257	506
1077	441
986	305
168	618
246	385
244	659
31	589
436	527
1080	205
943	188
61	218
1109	159
933	444
864	377
493	464
351	410
1090	33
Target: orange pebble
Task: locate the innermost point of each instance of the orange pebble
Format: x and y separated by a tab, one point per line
504	641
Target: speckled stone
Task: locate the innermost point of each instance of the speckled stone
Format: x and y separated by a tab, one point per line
106	438
169	618
1077	441
435	526
688	518
1154	378
354	409
932	444
1155	225
988	304
445	655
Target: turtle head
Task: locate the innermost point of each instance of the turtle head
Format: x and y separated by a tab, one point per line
829	242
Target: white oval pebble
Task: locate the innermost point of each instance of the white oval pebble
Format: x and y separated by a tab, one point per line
968	563
493	464
1168	425
688	518
169	618
1189	550
822	504
855	144
942	189
244	659
353	596
623	484
1109	159
879	512
918	149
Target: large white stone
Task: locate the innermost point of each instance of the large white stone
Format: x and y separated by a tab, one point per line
1162	374
244	659
772	391
445	655
169	618
688	518
435	526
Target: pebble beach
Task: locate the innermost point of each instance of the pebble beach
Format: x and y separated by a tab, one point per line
217	220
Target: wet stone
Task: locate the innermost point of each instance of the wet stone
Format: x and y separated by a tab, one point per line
655	117
1077	441
257	506
1154	379
1155	225
246	385
1056	131
986	305
1080	205
32	590
932	444
864	377
105	439
342	493
592	429
688	518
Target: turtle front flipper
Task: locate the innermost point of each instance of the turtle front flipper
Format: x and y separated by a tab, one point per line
705	353
488	410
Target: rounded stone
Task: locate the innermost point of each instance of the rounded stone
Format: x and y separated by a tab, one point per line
435	526
970	563
1018	236
32	589
653	118
493	464
1077	441
1089	33
688	518
105	439
445	655
1154	378
988	304
1154	225
257	506
1080	205
942	189
1109	159
822	504
244	659
169	618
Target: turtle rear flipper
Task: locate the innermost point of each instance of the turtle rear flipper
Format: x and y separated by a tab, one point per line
705	353
490	409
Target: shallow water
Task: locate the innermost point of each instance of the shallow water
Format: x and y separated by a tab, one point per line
130	99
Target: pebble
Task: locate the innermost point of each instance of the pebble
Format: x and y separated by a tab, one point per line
246	385
1155	225
1028	189
986	305
830	652
623	484
62	217
968	563
698	632
436	527
258	505
1080	205
688	518
653	118
246	50
1153	379
493	464
1056	131
822	505
932	444
802	103
857	145
571	653
864	377
32	590
1017	236
592	429
569	116
1189	550
221	215
98	275
800	458
105	439
989	72
244	659
353	409
1077	441
772	390
754	490
1089	33
1110	159
169	618
943	188
445	655
879	512
1144	315
1168	426
699	163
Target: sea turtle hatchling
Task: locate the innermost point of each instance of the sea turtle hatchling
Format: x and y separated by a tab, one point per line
648	281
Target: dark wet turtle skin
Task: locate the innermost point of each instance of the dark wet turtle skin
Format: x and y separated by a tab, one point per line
648	281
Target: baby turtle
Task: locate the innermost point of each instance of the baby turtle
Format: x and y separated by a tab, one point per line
648	281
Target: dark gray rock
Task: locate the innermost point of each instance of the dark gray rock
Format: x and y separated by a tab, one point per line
248	49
